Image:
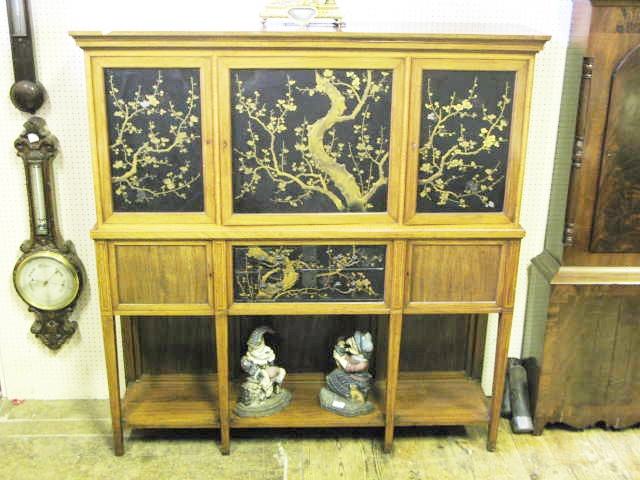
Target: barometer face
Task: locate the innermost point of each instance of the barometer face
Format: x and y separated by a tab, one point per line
46	280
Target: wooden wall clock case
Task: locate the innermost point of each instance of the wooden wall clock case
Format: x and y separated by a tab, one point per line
316	182
585	350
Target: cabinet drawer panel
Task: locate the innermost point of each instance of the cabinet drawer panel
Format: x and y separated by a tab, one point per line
161	273
309	273
454	272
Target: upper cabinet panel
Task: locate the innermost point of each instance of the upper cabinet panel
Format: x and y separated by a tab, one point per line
464	140
262	129
311	136
309	141
152	153
467	140
155	147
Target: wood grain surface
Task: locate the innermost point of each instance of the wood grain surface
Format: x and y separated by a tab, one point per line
182	373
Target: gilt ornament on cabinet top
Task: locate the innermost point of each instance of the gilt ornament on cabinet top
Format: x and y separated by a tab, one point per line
303	12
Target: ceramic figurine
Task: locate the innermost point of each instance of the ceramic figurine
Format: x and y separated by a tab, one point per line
261	394
347	387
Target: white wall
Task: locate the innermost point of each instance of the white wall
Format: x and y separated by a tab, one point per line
30	370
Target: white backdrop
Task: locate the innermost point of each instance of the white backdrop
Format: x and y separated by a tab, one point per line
30	370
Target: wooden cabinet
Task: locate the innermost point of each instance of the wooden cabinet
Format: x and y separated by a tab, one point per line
586	346
318	183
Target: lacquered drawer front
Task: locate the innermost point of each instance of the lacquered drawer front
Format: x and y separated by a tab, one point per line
454	273
161	273
309	273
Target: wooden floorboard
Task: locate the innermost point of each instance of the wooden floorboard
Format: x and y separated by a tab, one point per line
72	439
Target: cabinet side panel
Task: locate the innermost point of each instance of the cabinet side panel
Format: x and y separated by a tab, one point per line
454	273
161	274
589	372
591	341
624	383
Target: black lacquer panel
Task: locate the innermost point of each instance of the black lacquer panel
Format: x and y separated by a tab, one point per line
153	118
309	273
310	141
464	140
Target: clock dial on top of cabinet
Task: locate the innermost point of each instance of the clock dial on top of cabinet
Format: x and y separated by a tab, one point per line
46	280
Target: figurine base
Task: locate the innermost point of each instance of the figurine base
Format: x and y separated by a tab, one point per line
335	403
271	405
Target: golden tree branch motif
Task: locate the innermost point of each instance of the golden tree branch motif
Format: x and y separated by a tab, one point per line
274	273
449	170
305	158
150	142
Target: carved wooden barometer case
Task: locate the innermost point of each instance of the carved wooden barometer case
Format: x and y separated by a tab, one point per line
316	184
49	275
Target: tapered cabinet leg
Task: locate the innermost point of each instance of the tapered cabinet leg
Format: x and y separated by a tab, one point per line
500	370
113	379
222	334
395	335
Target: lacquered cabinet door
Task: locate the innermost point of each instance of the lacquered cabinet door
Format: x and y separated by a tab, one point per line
155	142
309	273
467	141
306	135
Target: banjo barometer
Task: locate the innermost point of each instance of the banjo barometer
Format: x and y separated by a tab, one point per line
49	275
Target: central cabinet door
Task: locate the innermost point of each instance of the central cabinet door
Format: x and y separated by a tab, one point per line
310	135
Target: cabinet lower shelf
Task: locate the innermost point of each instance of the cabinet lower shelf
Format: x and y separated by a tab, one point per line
440	398
172	401
305	410
191	401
